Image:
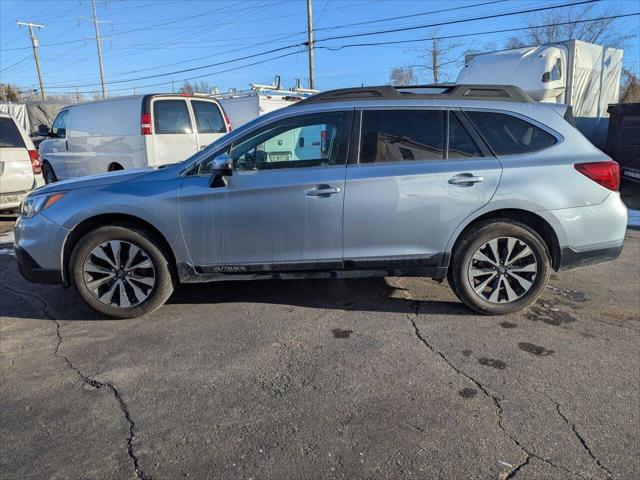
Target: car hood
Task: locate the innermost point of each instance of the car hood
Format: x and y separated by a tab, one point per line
109	178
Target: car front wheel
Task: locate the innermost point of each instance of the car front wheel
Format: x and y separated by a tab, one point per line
501	267
121	271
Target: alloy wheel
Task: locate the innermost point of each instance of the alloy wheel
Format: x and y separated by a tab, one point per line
119	273
503	270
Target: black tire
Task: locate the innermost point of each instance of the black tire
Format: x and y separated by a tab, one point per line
462	259
164	280
48	174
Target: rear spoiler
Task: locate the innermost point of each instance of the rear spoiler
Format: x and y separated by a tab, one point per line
565	111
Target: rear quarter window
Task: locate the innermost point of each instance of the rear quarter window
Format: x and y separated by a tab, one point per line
9	135
509	135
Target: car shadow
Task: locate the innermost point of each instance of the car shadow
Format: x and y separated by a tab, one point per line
48	302
367	295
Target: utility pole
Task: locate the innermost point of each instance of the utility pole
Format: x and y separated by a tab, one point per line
34	44
310	42
434	60
95	22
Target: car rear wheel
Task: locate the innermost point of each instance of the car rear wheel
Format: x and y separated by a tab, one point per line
48	174
501	267
121	271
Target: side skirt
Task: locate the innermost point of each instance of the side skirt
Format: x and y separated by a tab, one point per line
191	274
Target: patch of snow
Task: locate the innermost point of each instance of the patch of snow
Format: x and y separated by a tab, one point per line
634	218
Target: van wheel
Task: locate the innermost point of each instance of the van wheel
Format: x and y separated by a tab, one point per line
48	174
121	271
501	267
115	167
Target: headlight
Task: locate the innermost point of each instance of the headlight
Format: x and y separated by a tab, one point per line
34	204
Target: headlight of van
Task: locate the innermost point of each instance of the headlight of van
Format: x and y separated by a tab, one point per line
34	204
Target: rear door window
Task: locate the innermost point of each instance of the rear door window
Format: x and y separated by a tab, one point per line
9	135
509	135
461	145
171	117
208	117
402	135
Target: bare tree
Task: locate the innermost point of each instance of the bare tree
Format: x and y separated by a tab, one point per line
630	89
186	87
434	60
196	87
601	32
9	93
402	76
437	55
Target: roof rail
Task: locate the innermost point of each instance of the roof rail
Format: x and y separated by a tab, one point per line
509	93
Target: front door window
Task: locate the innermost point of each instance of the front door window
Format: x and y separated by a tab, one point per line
311	140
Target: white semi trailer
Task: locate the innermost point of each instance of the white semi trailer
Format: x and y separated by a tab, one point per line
579	74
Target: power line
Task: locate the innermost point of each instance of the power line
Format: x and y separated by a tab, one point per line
451	22
278	57
306	44
152	27
413	15
612	17
505	30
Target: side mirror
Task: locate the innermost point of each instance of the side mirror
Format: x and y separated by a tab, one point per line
43	130
222	168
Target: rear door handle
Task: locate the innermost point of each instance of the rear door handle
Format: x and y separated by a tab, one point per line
465	179
322	191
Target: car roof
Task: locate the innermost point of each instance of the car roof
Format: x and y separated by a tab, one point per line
508	93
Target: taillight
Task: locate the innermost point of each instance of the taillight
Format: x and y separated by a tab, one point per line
226	120
606	173
36	166
145	124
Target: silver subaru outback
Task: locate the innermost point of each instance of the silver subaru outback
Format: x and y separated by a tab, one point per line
475	184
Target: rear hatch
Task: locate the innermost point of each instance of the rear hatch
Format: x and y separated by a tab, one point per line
16	174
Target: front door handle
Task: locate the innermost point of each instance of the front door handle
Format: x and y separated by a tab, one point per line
465	179
322	191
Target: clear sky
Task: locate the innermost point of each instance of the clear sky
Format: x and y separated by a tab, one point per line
148	38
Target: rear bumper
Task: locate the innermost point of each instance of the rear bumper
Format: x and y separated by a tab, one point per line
11	201
32	271
570	258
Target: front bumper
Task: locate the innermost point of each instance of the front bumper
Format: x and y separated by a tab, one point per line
32	271
38	247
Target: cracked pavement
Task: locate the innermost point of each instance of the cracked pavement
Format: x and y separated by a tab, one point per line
323	379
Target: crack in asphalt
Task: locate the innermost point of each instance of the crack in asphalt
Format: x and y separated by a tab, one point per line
415	306
514	471
89	381
582	440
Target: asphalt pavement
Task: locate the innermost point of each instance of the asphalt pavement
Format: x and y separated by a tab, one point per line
345	379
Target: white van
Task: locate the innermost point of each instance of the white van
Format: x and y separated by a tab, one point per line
129	132
19	164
